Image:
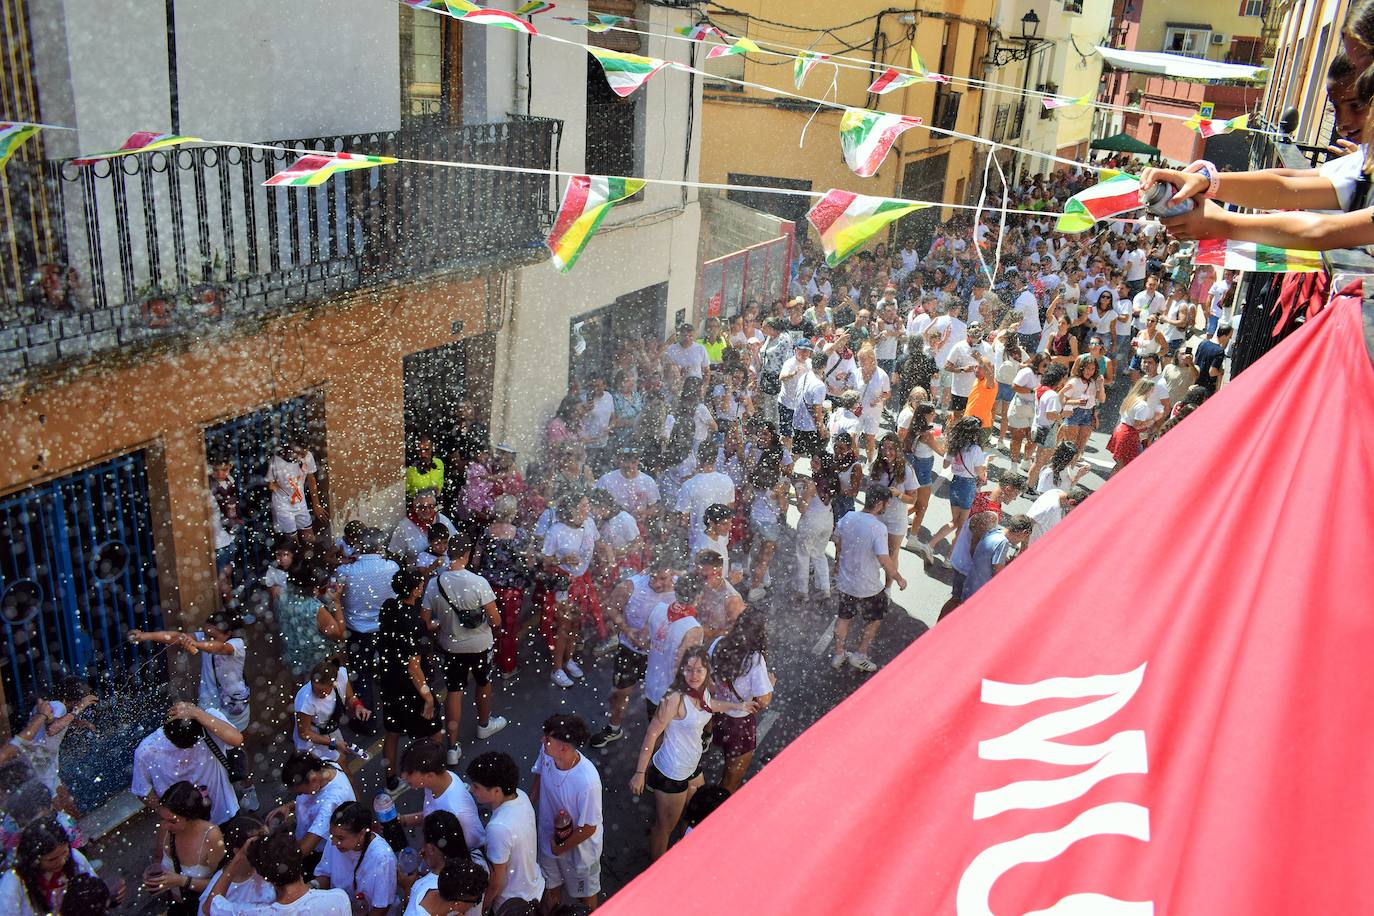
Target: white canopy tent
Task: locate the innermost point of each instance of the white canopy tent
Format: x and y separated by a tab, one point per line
1176	65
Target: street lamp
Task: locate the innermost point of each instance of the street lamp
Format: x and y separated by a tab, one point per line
1030	37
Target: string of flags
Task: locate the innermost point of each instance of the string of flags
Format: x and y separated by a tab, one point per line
317	168
1230	254
867	136
1210	127
803	65
586	202
1052	102
625	72
12	136
1117	194
845	220
142	141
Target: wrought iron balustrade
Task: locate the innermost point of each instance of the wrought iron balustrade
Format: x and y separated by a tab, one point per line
137	247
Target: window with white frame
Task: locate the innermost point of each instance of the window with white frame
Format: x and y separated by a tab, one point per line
1252	7
1187	41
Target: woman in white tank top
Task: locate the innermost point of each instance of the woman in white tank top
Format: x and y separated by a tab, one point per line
675	771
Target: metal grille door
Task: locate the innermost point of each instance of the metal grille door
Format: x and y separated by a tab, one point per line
249	442
77	572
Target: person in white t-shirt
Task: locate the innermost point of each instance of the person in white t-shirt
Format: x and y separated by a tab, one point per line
873	396
567	800
635	491
568	550
862	561
455	889
1135	262
320	706
358	861
424	766
962	366
291	478
707	487
1049	413
1028	307
191	747
318	786
952	329
1216	300
280	861
1050	508
596	422
739	668
512	834
687	354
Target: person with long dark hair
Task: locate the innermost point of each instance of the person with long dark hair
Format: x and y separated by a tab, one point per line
44	865
358	861
740	674
924	441
244	884
278	859
968	465
407	703
192	852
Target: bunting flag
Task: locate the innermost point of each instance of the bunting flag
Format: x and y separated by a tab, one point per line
141	142
500	19
12	136
1118	194
317	168
1229	254
457	8
585	204
846	220
867	136
925	74
740	46
1050	101
1209	127
601	22
892	80
534	8
625	72
803	65
700	32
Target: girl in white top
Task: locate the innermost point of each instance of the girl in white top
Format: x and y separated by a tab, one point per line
44	864
892	471
740	662
1021	413
358	861
40	741
680	720
457	888
814	528
193	849
278	859
1179	315
925	441
1008	357
244	885
968	463
320	705
1149	342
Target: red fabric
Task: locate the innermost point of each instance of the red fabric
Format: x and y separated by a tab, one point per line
508	602
1242	606
582	594
1124	444
1307	294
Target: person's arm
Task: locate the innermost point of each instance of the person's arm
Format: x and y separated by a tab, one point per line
493	615
305	727
173	639
497	872
582	833
614	605
668	710
355	705
417	679
216	727
330	622
1301	230
312	492
1263	190
186	641
890	568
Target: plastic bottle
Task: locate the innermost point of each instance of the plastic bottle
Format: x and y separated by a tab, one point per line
408	860
562	826
357	750
384	809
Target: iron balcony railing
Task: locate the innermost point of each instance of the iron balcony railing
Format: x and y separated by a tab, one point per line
1260	309
141	247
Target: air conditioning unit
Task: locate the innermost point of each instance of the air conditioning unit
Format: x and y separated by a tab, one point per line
1218	38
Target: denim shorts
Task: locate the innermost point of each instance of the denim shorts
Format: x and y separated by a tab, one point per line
770	531
1081	416
924	468
961	491
841	505
785	420
1005	392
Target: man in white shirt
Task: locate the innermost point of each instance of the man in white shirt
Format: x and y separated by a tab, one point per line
975	304
1217	295
794	371
707	487
512	834
809	419
634	491
863	562
910	259
567	801
1050	508
1026	305
1134	263
952	330
291	478
363	585
191	747
688	354
422	766
412	533
962	367
568	549
596	425
1158	399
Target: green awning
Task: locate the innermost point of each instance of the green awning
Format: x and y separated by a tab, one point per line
1124	143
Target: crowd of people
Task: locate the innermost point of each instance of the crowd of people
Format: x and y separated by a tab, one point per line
789	451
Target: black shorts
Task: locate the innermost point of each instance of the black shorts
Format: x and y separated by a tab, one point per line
1044	436
958	401
660	783
870	609
458	667
629	669
808	443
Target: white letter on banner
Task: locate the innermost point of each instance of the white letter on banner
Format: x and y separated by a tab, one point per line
1120	818
1123	752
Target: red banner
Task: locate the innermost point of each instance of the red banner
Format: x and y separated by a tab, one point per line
1165	706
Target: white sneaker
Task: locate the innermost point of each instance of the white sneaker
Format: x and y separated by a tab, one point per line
574	669
861	662
494	725
837	661
561	679
454	753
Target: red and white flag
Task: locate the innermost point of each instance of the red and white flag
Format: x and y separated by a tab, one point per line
1163	707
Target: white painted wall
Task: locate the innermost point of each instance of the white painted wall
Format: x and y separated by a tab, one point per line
247	70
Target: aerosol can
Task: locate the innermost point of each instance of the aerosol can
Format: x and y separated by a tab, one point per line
1156	201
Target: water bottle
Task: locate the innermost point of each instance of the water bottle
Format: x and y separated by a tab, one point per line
408	860
1157	201
384	809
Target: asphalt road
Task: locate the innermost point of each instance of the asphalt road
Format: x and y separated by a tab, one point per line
807	688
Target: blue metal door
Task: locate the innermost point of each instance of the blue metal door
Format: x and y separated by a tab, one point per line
77	572
248	443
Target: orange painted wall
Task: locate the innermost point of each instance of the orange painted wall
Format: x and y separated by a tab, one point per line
350	350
